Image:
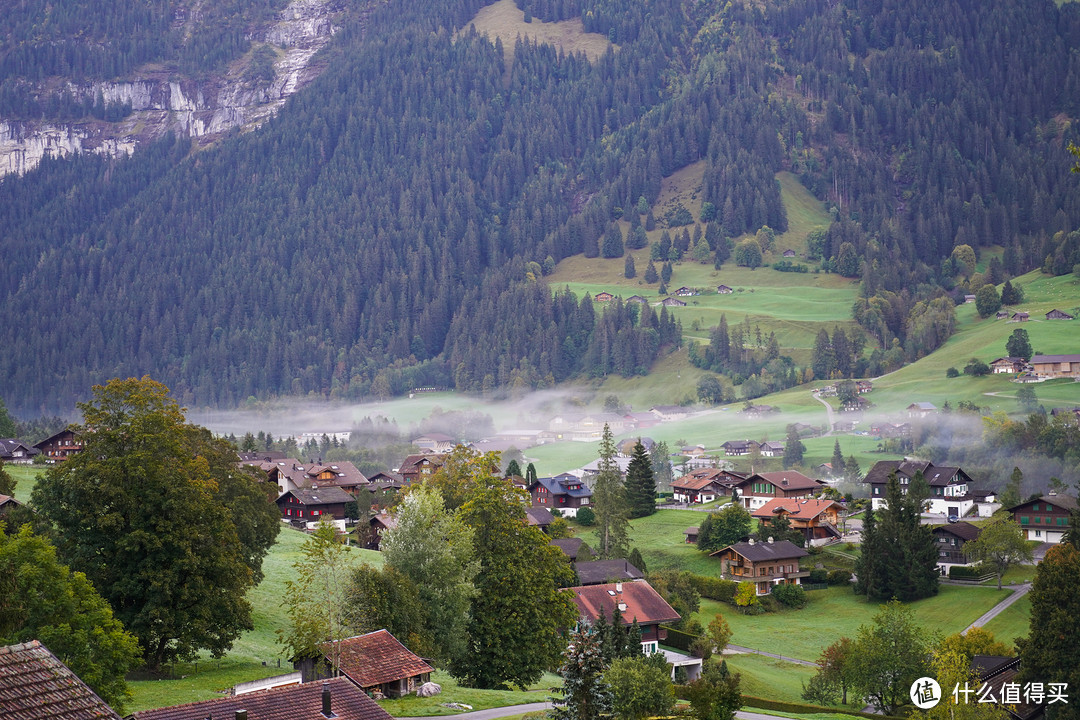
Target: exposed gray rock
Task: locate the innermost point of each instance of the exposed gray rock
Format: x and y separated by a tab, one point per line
428	689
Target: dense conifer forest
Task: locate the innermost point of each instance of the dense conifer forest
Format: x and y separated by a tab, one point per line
391	227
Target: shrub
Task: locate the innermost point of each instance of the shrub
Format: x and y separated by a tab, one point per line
794	596
959	572
818	576
952	372
586	517
714	588
839	577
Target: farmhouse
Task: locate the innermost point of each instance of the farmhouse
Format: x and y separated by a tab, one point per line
434	443
704	485
1007	365
415	468
789	253
772	448
816	519
304	505
571	547
1046	518
724	290
1020	316
668	413
686	291
921	409
739	447
1002	315
763	563
760	488
291	474
863	386
375	662
637	299
604	297
1055	366
377	525
16	452
672	302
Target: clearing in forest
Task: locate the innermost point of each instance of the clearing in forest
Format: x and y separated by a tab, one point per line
505	21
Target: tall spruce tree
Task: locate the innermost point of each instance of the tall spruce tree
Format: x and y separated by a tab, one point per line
899	556
837	460
640	483
793	448
609	503
585	695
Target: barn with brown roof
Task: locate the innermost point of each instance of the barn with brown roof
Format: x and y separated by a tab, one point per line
335	698
35	685
375	662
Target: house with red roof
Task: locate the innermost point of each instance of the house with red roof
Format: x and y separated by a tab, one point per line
375	662
816	519
705	485
636	601
335	698
35	685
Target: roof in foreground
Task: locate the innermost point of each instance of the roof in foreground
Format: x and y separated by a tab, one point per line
292	702
641	602
35	685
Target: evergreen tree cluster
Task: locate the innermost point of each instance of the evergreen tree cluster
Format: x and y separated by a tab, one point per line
743	354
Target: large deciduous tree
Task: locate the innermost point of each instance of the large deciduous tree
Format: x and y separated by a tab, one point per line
161	520
433	547
518	611
41	599
1001	544
887	657
1019	344
640	484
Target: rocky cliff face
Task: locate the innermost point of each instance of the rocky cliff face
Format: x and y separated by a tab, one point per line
160	103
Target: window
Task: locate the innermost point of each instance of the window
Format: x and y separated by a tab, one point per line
877	490
1038	533
1038	520
1035	507
1023	520
1062	521
585	501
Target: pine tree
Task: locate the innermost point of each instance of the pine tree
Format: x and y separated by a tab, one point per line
585	695
793	448
651	275
513	469
609	503
530	474
613	242
665	272
640	484
837	460
629	270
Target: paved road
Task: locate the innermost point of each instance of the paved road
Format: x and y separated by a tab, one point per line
997	609
828	412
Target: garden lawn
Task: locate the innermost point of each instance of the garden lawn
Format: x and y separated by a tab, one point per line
25	477
767	677
837	612
412	706
256	653
660	539
1013	622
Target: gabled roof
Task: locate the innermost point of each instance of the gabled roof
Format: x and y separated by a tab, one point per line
607	571
9	446
924	406
763	551
541	517
1062	502
689	482
437	437
570	546
963	530
292	702
785	479
641	601
558	486
261	456
1054	359
411	461
935	475
376	658
35	685
5	499
55	436
321	496
806	509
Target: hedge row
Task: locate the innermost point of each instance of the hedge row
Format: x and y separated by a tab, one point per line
764	704
714	588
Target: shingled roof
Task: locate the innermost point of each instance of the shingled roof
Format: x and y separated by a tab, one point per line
963	530
376	658
292	702
606	571
756	552
35	685
639	600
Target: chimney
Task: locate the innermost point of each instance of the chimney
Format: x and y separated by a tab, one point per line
618	587
751	541
770	538
326	711
241	715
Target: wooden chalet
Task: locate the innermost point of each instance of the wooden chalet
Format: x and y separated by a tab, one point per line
672	302
723	290
36	685
61	446
772	448
416	468
1007	365
17	452
637	299
1045	519
604	297
1055	366
921	409
376	662
685	291
763	563
735	448
1056	314
292	474
816	519
377	525
705	485
1020	316
760	488
566	493
1002	315
539	517
309	505
691	534
950	540
636	601
789	253
335	698
864	386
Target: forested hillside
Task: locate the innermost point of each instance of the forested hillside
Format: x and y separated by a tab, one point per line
391	227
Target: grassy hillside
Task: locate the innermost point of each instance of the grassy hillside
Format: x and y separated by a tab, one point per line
503	20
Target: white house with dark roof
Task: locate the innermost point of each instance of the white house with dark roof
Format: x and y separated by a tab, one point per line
950	487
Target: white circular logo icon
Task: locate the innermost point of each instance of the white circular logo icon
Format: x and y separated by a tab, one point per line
925	693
